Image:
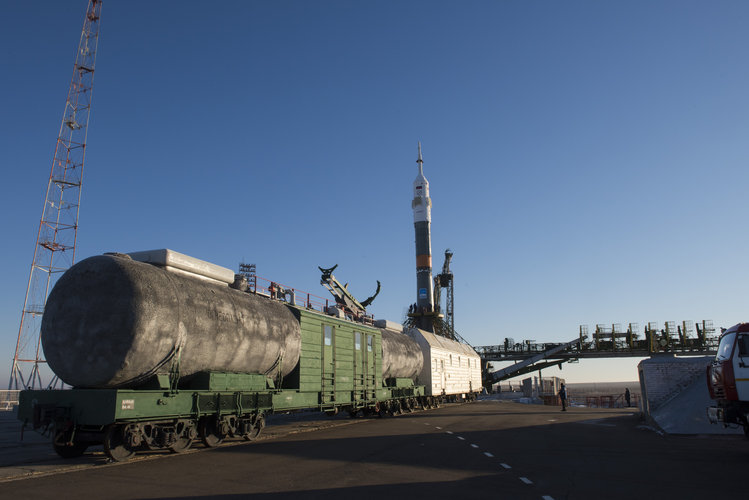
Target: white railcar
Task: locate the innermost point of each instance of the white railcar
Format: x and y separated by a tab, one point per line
450	368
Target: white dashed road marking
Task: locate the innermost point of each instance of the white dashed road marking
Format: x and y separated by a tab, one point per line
507	466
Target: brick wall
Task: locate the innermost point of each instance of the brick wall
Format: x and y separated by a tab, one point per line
663	377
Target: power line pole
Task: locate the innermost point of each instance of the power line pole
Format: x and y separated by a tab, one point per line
54	251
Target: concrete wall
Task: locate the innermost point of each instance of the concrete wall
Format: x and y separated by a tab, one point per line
662	377
675	395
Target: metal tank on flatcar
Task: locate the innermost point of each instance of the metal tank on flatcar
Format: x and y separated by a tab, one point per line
401	355
112	321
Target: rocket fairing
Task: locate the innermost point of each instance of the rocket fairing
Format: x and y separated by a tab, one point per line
422	208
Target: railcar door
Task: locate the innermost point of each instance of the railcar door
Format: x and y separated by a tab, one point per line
370	368
364	367
358	368
327	391
443	378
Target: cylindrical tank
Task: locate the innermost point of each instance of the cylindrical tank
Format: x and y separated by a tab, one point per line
401	355
111	321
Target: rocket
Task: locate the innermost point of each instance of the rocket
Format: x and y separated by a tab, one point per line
422	209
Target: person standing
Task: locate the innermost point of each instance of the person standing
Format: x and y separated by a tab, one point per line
563	396
627	396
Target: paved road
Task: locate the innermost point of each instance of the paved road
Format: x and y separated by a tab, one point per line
480	450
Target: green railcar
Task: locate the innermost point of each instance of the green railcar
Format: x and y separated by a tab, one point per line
340	368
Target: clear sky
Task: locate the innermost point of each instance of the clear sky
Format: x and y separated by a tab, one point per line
587	160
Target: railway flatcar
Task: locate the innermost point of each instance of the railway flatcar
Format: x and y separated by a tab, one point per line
162	349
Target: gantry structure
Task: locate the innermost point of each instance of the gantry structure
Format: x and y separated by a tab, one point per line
54	251
607	341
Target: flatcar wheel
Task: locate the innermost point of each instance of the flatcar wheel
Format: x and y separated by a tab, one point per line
187	433
65	451
181	445
379	410
210	433
397	408
256	429
115	446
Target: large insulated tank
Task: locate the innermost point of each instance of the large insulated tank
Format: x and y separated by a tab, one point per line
112	321
401	355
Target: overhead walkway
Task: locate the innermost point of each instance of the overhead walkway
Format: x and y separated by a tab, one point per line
687	339
533	363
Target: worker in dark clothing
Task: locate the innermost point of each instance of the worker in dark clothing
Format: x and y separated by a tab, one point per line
563	397
627	396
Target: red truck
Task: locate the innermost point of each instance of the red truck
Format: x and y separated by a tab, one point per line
728	379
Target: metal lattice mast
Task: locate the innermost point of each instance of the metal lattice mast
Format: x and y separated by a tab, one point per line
54	251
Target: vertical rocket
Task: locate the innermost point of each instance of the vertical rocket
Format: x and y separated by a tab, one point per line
422	208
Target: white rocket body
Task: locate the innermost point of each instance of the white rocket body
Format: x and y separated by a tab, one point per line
422	208
422	203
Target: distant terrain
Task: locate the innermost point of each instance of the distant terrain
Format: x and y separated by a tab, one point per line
603	388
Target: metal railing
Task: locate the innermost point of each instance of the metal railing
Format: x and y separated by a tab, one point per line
8	400
278	291
613	341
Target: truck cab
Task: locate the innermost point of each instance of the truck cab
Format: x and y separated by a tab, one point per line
728	379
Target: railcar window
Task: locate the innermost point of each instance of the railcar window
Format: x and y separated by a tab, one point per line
743	345
328	334
726	346
369	343
357	341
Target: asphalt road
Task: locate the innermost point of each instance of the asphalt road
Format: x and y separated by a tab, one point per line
487	449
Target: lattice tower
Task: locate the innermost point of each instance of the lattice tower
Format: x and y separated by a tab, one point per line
54	251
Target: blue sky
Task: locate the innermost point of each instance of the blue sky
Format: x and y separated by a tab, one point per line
587	160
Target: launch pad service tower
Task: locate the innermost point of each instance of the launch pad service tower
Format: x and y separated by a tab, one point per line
422	208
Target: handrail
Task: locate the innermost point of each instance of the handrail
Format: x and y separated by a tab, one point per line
8	399
278	291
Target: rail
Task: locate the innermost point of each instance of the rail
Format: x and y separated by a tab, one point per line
592	401
294	296
279	291
8	400
611	343
608	401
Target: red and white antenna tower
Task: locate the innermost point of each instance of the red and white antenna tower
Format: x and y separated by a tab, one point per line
55	244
